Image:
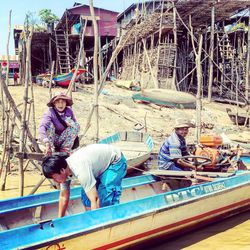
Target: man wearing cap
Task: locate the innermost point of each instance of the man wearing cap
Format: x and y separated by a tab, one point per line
174	147
58	129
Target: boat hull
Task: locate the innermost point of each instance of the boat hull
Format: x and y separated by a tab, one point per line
135	222
238	118
136	146
166	98
63	80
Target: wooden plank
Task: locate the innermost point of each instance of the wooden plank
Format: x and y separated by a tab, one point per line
30	156
35	156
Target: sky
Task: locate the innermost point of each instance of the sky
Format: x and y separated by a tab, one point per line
21	7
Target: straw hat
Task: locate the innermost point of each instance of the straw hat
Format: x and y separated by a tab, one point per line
60	95
183	123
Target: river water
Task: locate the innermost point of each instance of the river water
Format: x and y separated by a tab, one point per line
230	234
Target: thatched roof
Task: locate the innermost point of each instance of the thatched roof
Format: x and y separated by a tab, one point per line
201	9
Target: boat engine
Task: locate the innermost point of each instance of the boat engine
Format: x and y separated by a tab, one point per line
208	147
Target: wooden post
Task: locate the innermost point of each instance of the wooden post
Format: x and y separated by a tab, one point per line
72	81
211	57
199	86
51	77
149	64
7	49
24	113
95	65
248	60
199	79
175	44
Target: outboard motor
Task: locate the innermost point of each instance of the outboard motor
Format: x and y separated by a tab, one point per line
208	147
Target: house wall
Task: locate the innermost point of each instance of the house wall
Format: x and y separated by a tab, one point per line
106	21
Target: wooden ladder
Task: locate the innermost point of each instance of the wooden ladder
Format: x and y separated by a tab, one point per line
62	48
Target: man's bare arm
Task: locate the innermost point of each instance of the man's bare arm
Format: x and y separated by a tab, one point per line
94	198
63	202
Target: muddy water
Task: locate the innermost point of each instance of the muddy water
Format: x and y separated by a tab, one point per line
30	180
229	234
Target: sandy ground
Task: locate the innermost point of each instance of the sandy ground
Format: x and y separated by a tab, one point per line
117	112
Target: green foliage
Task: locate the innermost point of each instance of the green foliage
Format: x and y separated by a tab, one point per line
30	19
47	17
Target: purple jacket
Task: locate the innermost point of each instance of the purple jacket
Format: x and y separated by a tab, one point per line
50	117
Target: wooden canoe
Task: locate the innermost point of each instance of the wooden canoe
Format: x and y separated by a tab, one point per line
136	146
238	118
146	212
167	98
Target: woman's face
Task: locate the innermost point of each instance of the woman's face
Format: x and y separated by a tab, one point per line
60	105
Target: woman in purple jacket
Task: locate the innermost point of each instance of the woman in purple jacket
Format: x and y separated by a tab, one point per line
59	129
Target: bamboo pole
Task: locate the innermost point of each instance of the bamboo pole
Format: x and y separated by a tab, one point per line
2	102
24	114
72	81
211	53
199	79
6	116
175	43
50	80
248	60
7	49
6	156
149	64
95	65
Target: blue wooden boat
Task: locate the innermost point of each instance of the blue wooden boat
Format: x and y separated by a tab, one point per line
136	146
148	210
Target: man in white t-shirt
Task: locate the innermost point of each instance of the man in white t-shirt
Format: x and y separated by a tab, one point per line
99	169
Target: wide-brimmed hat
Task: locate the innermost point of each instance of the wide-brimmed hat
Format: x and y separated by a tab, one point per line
183	123
60	95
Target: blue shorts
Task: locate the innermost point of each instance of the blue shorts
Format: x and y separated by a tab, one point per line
108	184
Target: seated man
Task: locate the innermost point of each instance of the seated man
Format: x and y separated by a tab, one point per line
99	169
175	147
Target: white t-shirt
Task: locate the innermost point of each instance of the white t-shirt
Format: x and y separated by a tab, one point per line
91	161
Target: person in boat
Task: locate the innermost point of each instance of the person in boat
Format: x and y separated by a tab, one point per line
59	129
99	168
174	147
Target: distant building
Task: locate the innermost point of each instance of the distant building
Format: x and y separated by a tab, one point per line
13	64
67	32
62	43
